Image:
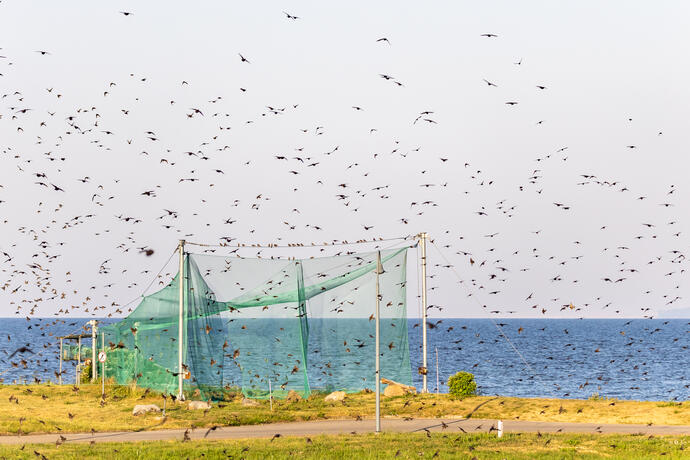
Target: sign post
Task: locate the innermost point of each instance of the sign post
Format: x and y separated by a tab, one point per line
101	359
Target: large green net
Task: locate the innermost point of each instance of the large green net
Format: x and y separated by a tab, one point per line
263	325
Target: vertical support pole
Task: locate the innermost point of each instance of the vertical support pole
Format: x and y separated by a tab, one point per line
136	352
78	371
303	324
94	345
103	367
379	271
180	329
270	394
437	383
60	374
422	239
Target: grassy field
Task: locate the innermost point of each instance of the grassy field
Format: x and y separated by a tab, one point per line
370	446
52	409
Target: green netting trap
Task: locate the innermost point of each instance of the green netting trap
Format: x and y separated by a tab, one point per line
301	325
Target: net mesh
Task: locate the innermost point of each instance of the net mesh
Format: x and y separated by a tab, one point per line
263	325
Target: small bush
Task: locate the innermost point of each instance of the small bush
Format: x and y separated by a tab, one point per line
85	376
462	384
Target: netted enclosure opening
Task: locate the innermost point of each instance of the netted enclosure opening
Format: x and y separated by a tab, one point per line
267	325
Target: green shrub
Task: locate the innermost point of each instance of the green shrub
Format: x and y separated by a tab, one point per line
462	384
85	376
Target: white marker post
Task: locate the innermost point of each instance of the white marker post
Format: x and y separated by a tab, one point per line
379	271
499	432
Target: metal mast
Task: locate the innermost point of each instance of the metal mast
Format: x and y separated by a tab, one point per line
379	271
94	345
422	239
180	329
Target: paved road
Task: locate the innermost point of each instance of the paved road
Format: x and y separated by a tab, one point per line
351	426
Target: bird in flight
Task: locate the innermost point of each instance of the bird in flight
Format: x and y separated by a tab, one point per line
243	59
290	16
20	350
489	35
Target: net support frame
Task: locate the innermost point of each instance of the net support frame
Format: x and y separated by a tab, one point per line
94	345
60	374
191	297
180	329
379	271
422	239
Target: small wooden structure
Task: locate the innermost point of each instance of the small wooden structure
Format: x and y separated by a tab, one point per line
78	338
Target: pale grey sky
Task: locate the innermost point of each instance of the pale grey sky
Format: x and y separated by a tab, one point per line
615	75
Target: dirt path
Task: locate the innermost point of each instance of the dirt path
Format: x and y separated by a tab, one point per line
349	426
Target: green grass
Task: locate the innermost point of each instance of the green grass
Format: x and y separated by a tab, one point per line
47	409
383	446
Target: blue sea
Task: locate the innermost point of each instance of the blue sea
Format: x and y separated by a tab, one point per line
565	358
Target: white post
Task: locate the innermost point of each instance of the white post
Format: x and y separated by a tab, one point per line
78	361
60	374
422	240
103	367
136	352
437	383
180	329
94	344
499	431
379	271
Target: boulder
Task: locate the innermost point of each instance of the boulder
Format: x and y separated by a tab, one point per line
293	396
198	405
141	409
393	390
335	396
250	402
397	389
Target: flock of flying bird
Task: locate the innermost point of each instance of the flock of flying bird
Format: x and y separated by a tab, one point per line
46	133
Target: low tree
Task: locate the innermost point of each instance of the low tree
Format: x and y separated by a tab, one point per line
461	385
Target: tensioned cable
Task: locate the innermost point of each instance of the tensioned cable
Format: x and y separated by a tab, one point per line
500	329
152	281
384	248
344	264
298	245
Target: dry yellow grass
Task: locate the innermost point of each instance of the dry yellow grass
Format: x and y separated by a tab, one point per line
47	408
